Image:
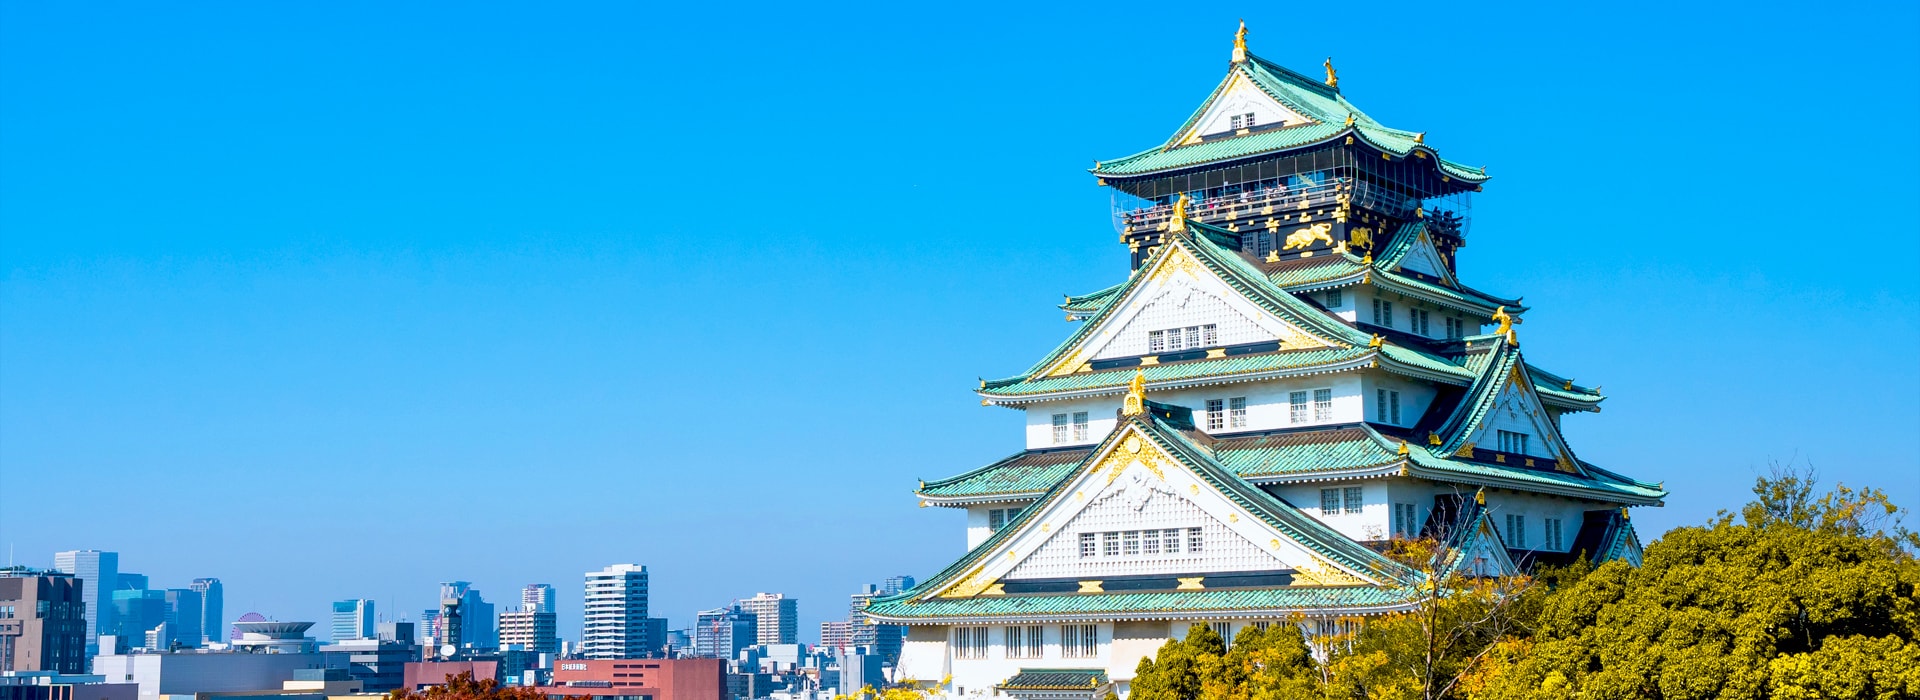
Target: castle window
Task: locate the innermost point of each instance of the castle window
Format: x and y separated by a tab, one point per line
1329	501
1386	407
1172	540
1456	328
1297	407
1553	534
970	642
1323	404
1383	313
1516	531
1175	339
1156	341
1080	425
1059	428
1352	496
1237	412
1420	318
1242	121
1216	414
1079	641
1406	520
1024	642
1513	442
1150	542
1087	546
1110	544
1334	299
1262	244
1193	539
1225	630
1130	543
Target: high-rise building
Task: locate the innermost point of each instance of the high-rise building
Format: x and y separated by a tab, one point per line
213	620
721	633
1291	374
136	611
834	635
778	617
475	617
895	584
880	639
98	571
533	630
183	618
616	614
353	619
537	597
43	621
378	662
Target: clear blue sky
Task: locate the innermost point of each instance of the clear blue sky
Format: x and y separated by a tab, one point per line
341	300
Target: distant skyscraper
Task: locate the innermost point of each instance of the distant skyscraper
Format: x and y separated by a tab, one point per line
721	633
352	619
183	618
883	639
94	568
213	620
616	614
127	581
834	635
45	629
533	630
476	616
136	611
537	597
778	617
895	584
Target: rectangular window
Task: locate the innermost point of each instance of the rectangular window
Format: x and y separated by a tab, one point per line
1079	641
1130	543
1079	426
1193	539
1383	313
1216	414
1297	407
1172	540
1210	335
1237	412
1513	442
1150	542
1156	341
1553	535
996	519
1110	544
1352	497
1235	122
1419	321
1329	501
1088	548
1024	642
1059	428
1406	520
1323	404
1225	630
1334	299
970	642
1380	405
1455	328
1393	407
1516	531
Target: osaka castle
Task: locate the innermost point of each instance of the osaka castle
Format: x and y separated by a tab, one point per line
1292	374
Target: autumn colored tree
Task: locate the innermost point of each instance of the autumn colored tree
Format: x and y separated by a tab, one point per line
1808	597
464	687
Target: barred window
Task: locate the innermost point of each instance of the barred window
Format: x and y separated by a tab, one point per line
1406	520
996	519
970	642
1516	531
1110	544
1059	428
1225	630
1323	404
1419	322
1353	499
1216	414
1172	540
1130	543
1329	501
1193	539
1079	426
1156	341
1150	542
1079	641
1297	407
1553	534
1088	547
1237	412
1334	299
1513	442
1024	642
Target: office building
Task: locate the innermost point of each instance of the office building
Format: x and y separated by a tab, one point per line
213	620
462	610
43	621
97	571
531	630
378	663
352	619
778	617
615	625
721	633
537	597
895	584
135	612
834	635
662	679
183	618
193	673
881	639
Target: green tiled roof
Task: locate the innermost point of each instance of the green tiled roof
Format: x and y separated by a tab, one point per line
1093	301
1029	472
1274	600
1055	679
1176	371
1324	106
1302	452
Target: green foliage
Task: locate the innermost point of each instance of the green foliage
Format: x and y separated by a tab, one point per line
1263	665
464	687
1809	598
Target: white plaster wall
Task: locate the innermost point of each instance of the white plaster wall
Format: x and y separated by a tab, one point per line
1516	412
1242	97
1267	406
923	654
976	677
1136	502
1371	523
1344	309
978	529
1415	397
1537	508
1180	302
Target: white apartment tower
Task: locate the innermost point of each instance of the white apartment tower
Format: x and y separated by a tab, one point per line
616	614
94	568
779	617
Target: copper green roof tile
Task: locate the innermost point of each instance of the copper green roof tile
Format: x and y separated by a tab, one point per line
1224	368
1302	452
1027	473
1055	679
1265	600
1093	301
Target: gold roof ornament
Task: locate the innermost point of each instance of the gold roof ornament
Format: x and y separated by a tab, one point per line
1403	448
1480	497
1375	343
1503	318
1240	43
1136	401
1179	220
1349	119
1333	79
1420	137
1433	439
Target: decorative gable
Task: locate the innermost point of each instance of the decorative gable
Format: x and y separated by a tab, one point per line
1132	484
1517	410
1423	258
1240	105
1180	294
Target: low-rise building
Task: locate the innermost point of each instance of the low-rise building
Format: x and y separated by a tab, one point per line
200	671
660	679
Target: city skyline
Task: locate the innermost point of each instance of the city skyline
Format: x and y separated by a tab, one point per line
404	314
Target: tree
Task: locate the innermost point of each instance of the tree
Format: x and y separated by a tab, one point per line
1809	597
464	687
1270	664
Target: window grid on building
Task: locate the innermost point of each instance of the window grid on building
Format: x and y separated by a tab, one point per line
1079	641
1194	539
1237	412
1172	339
1088	546
1516	531
1352	496
1386	406
1059	428
1553	534
1216	414
1419	322
1323	404
1297	407
1024	642
970	642
1513	442
1329	501
998	518
1225	630
1110	544
1334	299
1383	313
1080	426
1406	520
